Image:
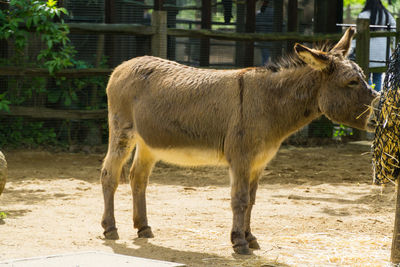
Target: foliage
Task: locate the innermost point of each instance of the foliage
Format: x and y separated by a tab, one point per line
362	2
24	16
357	5
341	131
23	132
4	102
38	37
3	215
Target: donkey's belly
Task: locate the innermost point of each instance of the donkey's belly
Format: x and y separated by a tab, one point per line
189	156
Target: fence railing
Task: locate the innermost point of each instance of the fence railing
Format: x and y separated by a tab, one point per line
159	32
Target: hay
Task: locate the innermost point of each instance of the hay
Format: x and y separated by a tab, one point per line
386	144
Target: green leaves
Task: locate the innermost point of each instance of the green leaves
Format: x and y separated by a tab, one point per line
342	130
4	103
38	15
31	24
51	3
24	132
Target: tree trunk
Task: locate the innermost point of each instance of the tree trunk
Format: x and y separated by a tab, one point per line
3	172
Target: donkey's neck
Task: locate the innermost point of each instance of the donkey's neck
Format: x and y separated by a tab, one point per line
296	104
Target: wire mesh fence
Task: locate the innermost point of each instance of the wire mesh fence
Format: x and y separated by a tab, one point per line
105	51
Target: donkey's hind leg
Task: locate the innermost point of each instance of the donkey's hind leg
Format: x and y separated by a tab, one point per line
120	146
139	175
255	175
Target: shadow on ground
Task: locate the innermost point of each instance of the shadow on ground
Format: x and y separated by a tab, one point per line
333	164
148	250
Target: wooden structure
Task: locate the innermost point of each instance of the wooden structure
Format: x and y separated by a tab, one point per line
327	14
395	253
159	33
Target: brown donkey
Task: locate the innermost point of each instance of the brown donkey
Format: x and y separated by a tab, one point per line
238	118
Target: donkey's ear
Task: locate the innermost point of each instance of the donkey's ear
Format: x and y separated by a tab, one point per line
343	46
316	59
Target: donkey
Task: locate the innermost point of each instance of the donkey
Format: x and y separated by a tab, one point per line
239	118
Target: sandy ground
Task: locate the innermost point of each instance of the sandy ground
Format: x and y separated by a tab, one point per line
315	207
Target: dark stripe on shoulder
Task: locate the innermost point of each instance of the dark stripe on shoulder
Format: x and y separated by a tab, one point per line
241	89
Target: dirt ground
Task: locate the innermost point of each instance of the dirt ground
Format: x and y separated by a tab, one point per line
316	206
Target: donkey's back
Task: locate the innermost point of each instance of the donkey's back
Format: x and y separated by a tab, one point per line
180	114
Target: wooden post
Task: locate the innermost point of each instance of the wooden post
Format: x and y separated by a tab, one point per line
205	24
362	58
397	30
159	39
110	17
327	23
171	23
362	45
240	27
158	5
292	16
3	51
250	28
395	252
277	28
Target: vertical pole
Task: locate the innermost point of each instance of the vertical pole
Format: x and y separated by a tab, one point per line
397	30
250	27
158	5
362	58
205	24
3	42
171	23
362	45
395	252
339	16
292	21
277	27
110	17
3	53
292	16
159	39
325	23
240	27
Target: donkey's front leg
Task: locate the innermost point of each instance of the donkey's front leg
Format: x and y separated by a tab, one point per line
253	189
240	179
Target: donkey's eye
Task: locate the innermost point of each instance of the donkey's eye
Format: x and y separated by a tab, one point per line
353	83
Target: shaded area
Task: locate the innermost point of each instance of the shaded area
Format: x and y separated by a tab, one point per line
148	250
333	164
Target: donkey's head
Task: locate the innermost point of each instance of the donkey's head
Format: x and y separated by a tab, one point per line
344	95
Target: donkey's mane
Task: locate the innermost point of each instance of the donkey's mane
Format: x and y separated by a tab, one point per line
286	62
292	60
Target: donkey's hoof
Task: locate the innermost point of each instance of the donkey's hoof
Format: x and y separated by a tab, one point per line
242	249
111	234
145	232
253	244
